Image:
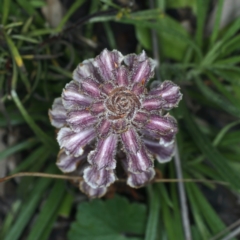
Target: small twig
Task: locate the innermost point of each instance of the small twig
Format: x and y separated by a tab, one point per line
233	225
182	195
65	177
233	234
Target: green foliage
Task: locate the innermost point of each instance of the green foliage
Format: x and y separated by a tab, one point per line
106	220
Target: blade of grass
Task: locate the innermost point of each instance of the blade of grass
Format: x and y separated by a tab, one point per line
74	7
18	147
5	10
214	157
153	217
217	22
216	98
202	7
36	129
51	206
28	208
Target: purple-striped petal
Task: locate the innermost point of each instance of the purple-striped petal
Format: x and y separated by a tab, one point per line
107	87
137	180
91	88
97	107
58	114
68	163
92	192
104	128
138	88
80	119
152	103
162	125
106	62
72	98
131	141
122	74
73	142
86	69
139	162
162	153
120	125
140	119
103	156
169	92
143	67
97	178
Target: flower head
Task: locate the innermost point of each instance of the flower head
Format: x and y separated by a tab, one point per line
106	109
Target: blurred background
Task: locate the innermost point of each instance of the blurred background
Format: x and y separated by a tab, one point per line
197	44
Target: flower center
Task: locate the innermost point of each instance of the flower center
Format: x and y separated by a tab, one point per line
122	103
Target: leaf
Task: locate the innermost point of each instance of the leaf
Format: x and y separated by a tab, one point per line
107	220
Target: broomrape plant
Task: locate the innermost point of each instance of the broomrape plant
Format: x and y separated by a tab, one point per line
107	105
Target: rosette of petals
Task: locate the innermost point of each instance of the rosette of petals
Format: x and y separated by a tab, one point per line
107	105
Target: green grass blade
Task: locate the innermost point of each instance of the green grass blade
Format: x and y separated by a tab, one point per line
51	206
214	35
202	8
18	147
29	207
5	10
214	157
153	217
39	133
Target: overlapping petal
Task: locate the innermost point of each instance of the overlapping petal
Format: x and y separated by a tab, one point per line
68	163
92	192
106	62
81	119
153	103
122	75
91	87
162	125
103	156
162	153
169	92
137	180
86	69
74	142
104	128
97	178
58	113
139	162
72	98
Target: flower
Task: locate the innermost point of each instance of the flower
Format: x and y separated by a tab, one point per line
106	109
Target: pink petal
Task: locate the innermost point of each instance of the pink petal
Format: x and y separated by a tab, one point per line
86	69
139	162
119	125
137	180
103	156
162	125
97	107
91	88
104	128
131	141
140	119
162	153
97	178
106	62
92	192
81	119
68	163
169	92
152	103
72	98
138	88
122	76
107	87
58	114
73	142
